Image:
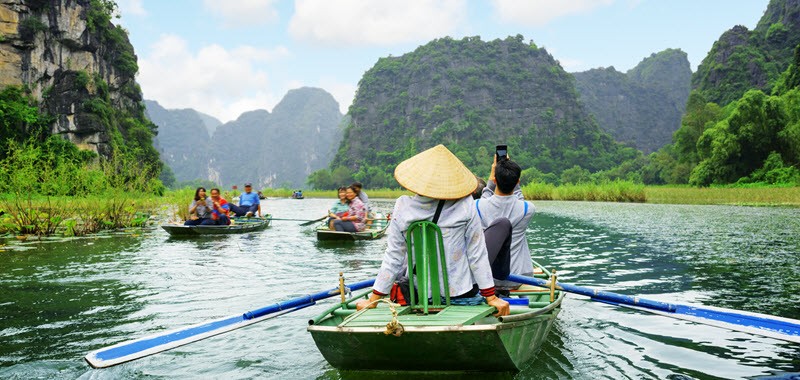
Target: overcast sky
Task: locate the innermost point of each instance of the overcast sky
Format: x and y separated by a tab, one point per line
227	57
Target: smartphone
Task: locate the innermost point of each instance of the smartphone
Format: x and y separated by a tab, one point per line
502	152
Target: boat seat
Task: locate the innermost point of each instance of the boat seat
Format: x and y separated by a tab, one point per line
449	316
427	267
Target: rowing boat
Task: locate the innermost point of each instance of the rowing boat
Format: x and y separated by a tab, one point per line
374	232
456	338
237	226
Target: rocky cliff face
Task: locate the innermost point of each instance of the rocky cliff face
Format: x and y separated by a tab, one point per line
278	149
183	140
642	107
470	95
78	65
742	59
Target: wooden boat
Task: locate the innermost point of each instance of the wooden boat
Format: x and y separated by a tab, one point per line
238	226
439	337
375	232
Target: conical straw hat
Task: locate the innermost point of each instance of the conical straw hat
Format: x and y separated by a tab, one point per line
436	173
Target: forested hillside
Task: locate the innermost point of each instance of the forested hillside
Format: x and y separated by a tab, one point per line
742	60
642	107
742	122
470	95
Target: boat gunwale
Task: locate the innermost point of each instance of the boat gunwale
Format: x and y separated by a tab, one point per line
554	308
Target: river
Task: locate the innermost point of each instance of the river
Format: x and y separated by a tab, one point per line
61	298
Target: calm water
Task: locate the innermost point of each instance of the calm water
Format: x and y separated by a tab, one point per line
62	299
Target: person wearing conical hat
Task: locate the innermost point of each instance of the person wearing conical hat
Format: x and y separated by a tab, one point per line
439	180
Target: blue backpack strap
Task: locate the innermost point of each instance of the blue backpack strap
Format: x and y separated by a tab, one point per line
526	209
478	208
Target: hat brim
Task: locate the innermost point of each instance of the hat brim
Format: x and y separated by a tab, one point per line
436	173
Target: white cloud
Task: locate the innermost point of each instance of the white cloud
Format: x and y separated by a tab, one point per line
375	22
215	80
540	12
243	13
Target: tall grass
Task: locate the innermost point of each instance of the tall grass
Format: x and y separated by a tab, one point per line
753	196
616	191
74	216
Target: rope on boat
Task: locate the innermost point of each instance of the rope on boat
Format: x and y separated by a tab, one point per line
394	327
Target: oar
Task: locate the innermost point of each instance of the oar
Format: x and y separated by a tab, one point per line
299	220
310	222
153	344
754	323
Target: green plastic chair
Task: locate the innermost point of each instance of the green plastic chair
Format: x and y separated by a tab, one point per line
426	253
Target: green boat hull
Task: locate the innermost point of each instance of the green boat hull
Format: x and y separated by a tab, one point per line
485	345
325	234
238	227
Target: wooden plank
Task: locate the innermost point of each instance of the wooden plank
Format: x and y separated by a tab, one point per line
450	316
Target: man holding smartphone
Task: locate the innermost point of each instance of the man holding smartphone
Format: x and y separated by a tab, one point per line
505	215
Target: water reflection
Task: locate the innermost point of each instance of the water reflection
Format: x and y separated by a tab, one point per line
61	299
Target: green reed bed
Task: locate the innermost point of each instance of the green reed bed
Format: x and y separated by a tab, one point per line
73	216
751	196
617	191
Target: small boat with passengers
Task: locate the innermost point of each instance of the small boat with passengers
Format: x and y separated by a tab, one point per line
375	230
238	225
434	332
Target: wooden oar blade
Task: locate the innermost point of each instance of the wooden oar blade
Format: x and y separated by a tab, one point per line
153	344
754	323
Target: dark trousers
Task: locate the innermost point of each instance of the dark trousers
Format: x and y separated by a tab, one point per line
223	220
242	210
498	244
199	222
340	225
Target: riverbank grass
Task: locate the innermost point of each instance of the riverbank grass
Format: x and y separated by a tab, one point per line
743	196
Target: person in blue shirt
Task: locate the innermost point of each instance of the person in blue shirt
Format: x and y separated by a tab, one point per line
249	204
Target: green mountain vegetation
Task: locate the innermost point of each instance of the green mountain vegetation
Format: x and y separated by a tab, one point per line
742	60
278	149
183	140
70	128
642	107
469	95
741	122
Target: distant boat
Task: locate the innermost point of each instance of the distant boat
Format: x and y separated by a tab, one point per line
238	226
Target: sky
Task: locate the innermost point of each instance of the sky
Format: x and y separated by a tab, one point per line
224	58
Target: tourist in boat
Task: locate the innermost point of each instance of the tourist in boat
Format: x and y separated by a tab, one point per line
356	216
221	209
249	204
340	208
443	188
505	215
200	209
358	187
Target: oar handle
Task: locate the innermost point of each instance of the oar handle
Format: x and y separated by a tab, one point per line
309	299
600	295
